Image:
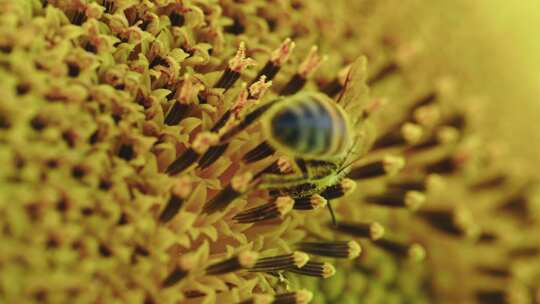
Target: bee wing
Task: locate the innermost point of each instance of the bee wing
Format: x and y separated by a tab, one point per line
354	96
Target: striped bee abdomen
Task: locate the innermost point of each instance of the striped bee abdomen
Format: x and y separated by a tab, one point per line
309	125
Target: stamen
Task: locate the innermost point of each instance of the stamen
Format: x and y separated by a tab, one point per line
310	203
397	199
281	262
443	220
413	251
243	260
211	155
275	209
188	158
296	297
426	100
389	165
221	200
446	165
346	187
409	133
348	250
372	230
489	183
261	151
499	272
259	299
180	192
248	120
236	65
315	269
491	297
524	252
180	271
431	182
516	205
182	104
306	69
384	72
277	59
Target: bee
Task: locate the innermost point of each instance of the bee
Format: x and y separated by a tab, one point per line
314	131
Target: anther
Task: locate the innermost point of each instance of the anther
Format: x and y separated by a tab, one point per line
261	151
181	105
424	101
276	209
310	202
281	262
221	200
180	192
492	182
389	165
407	134
277	59
315	269
491	296
442	220
306	69
347	250
386	71
446	165
493	271
396	199
180	271
243	260
412	251
345	187
188	158
372	230
296	297
424	184
236	65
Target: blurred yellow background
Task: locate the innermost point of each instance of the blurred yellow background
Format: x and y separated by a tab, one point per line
497	45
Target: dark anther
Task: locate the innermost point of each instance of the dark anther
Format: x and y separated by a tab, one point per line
126	152
73	69
212	155
177	19
182	162
383	73
236	28
171	209
104	251
177	112
38	123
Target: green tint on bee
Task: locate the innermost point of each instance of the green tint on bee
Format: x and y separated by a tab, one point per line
308	125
